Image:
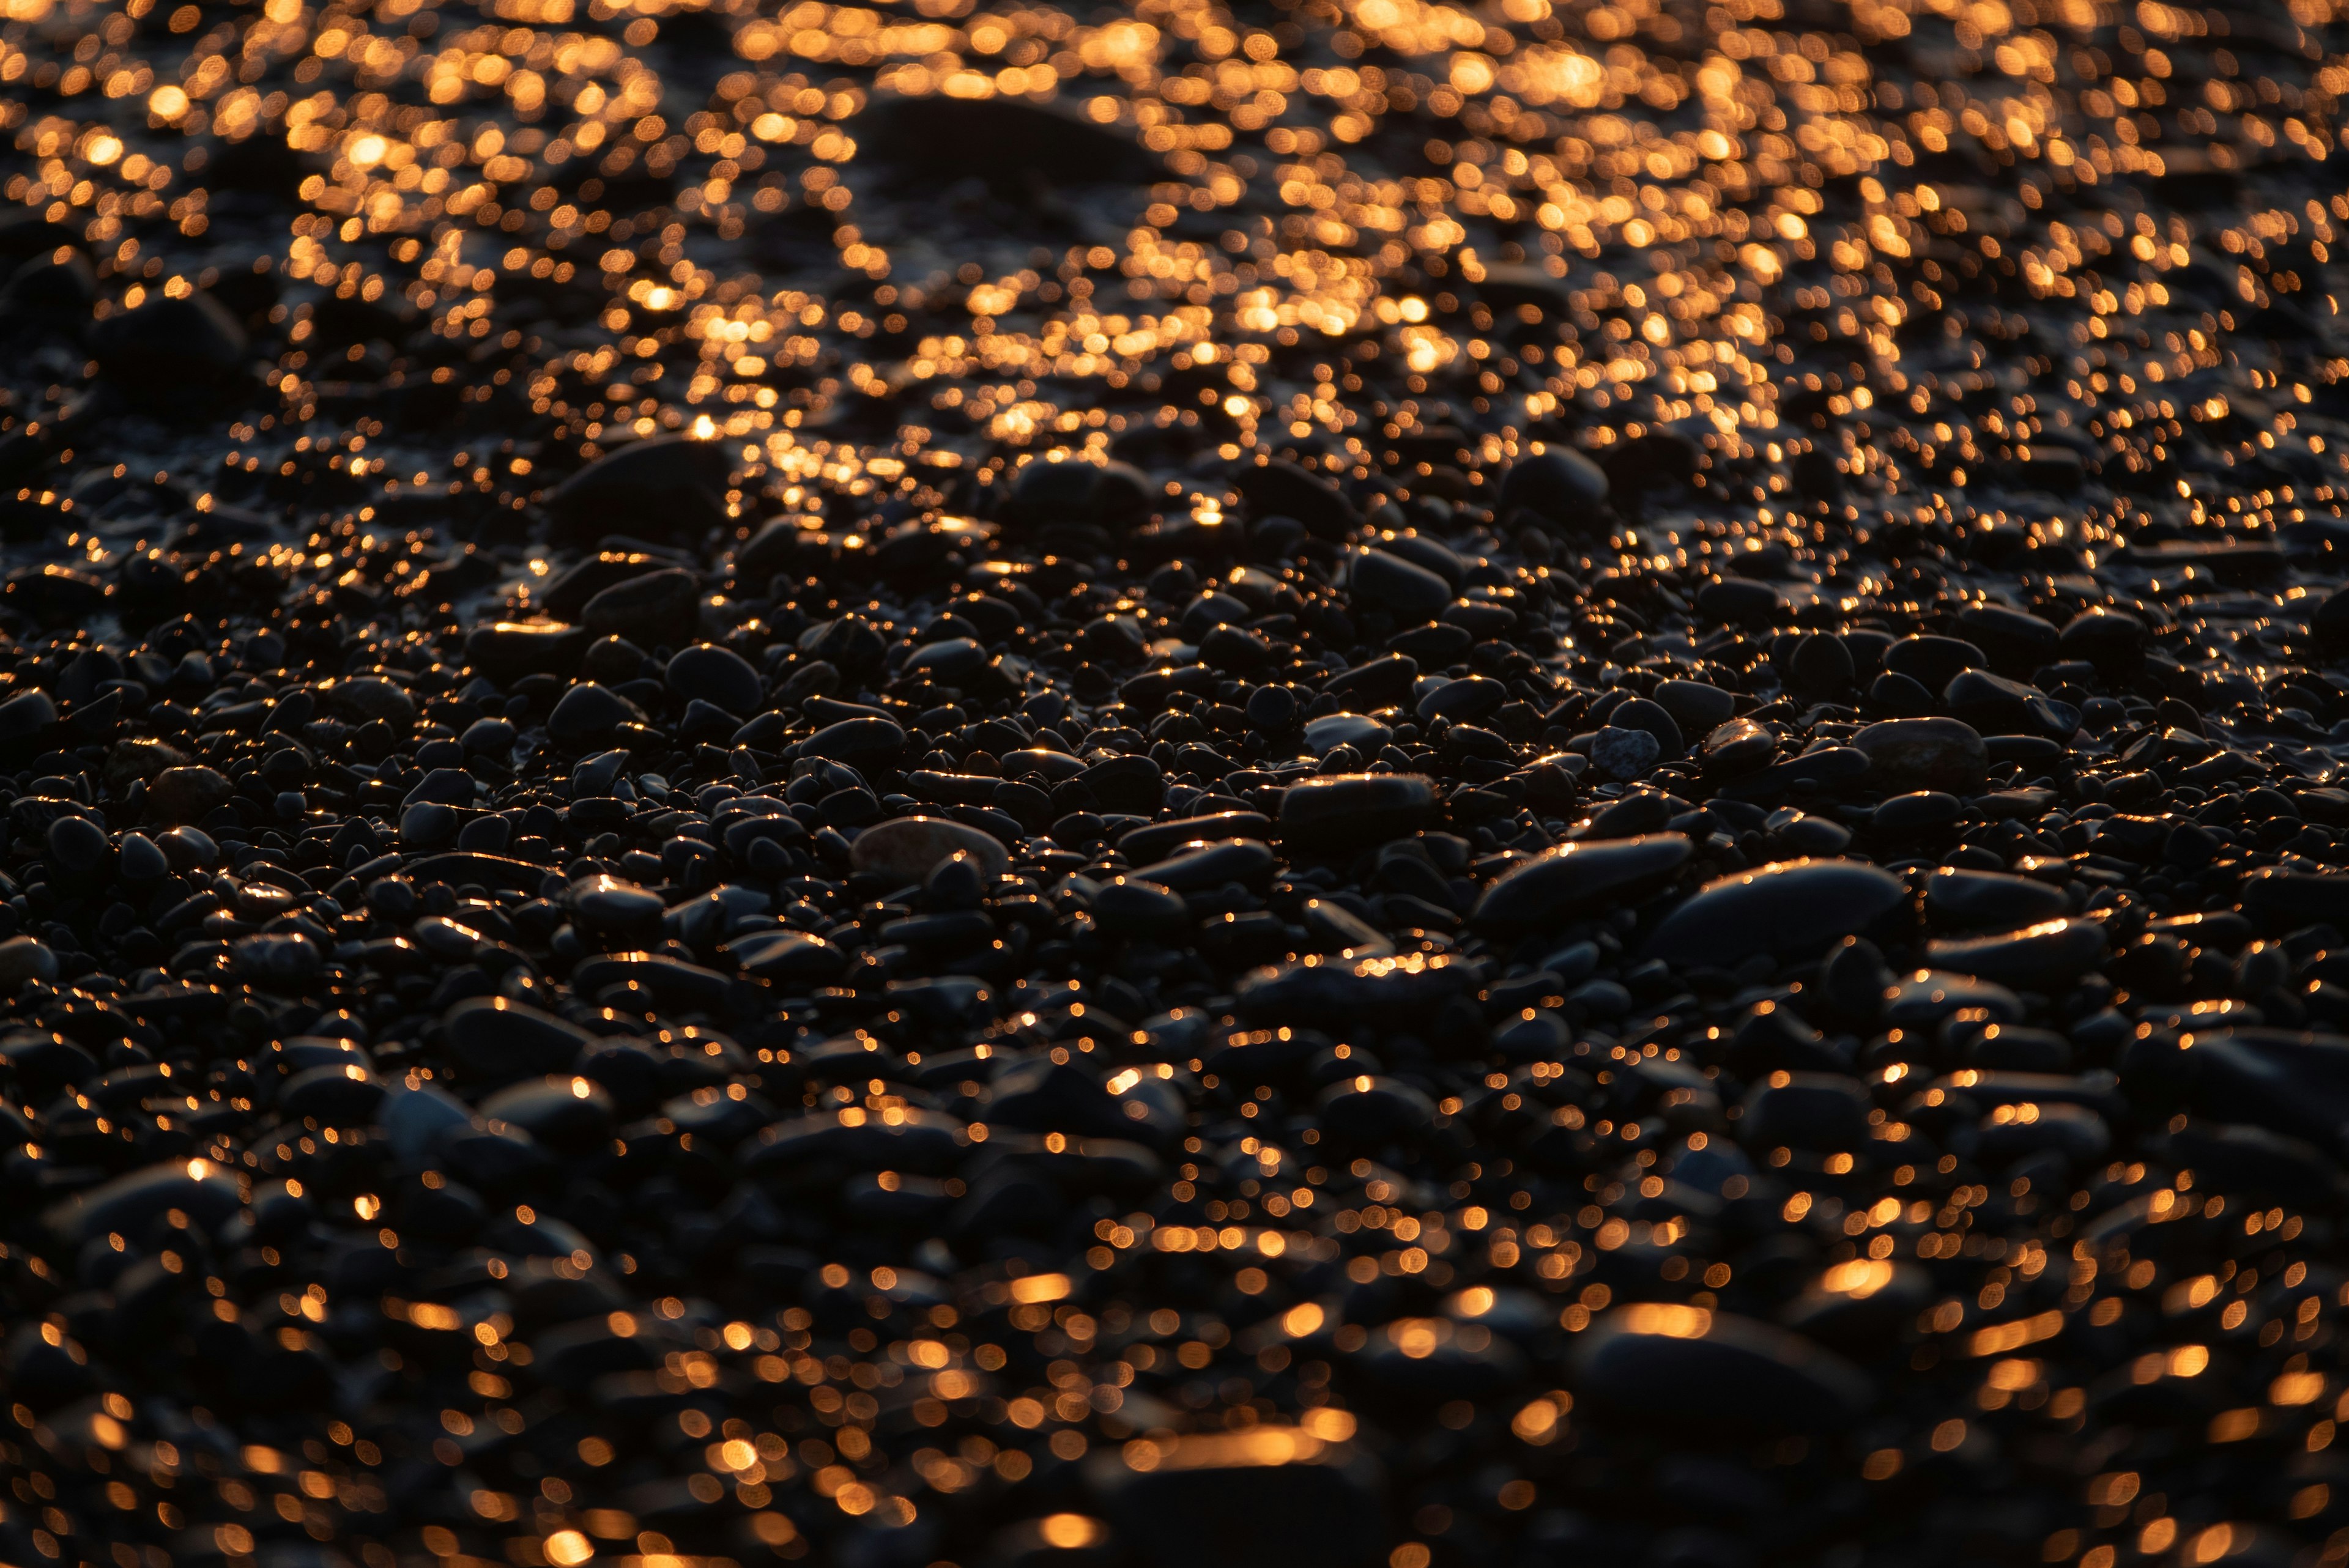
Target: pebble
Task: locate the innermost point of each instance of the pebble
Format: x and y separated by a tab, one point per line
1784	908
589	715
652	608
1561	485
1332	731
185	796
1977	900
717	676
24	959
2036	958
1408	591
1698	707
1624	754
904	851
1347	811
1906	754
1666	1363
1574	877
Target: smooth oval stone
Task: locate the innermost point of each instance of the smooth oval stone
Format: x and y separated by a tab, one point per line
905	849
1685	1367
1374	683
1739	746
280	959
1912	754
1996	706
206	1192
304	1052
1271	709
446	939
78	845
1653	717
1822	1112
1820	664
717	676
1933	662
2287	1082
1741	601
24	958
587	714
1576	878
1461	700
1371	1111
610	905
859	742
140	860
1624	754
509	650
1990	901
1930	996
2036	958
188	849
489	738
27	714
1130	906
368	698
788	957
1346	811
1919	811
951	661
1061	491
596	776
1559	485
1697	707
1157	840
1410	593
185	796
657	607
1234	650
1792	908
1332	731
335	1096
2016	643
2011	1048
492	1037
2280	900
562	1110
1315	992
1285	488
1436	556
1133	785
428	824
2260	1164
1203	866
2113	640
1628	818
1544	1036
1815	836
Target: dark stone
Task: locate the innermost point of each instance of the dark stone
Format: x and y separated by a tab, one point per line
1560	486
1782	911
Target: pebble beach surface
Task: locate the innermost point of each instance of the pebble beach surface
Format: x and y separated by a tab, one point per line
1345	785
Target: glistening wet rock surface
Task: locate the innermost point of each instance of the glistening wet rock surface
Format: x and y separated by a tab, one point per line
1346	784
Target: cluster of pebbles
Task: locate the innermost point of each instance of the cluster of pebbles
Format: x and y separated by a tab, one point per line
1361	783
